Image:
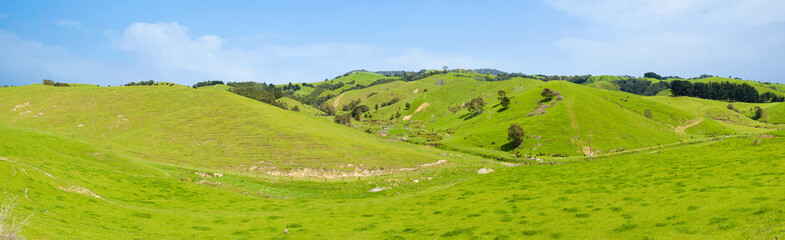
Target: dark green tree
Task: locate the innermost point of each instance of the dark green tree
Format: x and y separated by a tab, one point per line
515	134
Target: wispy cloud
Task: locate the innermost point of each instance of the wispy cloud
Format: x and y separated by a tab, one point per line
686	37
26	61
71	24
3	16
172	53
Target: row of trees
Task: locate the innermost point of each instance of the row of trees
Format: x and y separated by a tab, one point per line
140	83
724	91
207	83
641	86
49	82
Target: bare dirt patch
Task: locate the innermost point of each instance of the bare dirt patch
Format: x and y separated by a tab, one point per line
336	173
337	100
20	106
79	190
680	129
420	108
484	171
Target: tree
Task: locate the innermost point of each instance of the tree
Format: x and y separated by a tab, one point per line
407	105
515	134
49	82
476	105
652	75
548	95
647	113
296	108
503	99
358	111
758	113
376	107
343	120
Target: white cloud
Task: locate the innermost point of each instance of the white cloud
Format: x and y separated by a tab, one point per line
169	48
26	61
686	37
172	54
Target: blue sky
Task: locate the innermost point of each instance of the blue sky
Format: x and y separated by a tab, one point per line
115	42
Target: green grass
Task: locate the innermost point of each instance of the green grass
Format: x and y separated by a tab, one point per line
304	108
721	190
206	127
614	119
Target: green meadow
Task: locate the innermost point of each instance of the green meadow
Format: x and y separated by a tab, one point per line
173	162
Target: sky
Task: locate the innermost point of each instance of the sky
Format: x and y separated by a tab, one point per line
116	42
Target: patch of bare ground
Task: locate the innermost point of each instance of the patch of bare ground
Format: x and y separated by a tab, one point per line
336	173
420	108
544	106
680	129
79	190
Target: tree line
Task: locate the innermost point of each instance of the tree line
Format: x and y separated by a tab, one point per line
208	83
266	93
49	82
724	91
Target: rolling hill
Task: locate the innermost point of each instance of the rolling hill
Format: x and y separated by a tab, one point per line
206	127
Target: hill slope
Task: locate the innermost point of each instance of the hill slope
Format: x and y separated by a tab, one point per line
206	127
705	191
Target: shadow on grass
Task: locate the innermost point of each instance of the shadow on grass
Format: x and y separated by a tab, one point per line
509	146
502	110
468	116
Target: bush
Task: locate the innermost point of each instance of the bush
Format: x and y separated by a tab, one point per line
296	108
731	107
548	95
515	134
343	120
647	113
476	105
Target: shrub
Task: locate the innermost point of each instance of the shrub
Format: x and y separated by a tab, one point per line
476	105
548	95
343	120
515	134
504	100
647	113
10	226
296	108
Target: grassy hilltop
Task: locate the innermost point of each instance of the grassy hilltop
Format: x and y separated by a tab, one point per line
174	162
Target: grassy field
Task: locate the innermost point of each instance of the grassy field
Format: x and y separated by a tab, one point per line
206	127
173	162
722	190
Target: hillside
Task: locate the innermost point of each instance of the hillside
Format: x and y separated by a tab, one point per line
615	120
205	127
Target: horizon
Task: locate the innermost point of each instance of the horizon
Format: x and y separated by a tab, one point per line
308	41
